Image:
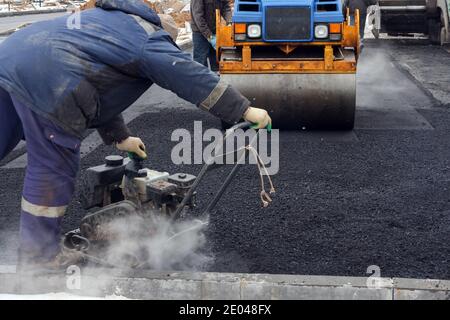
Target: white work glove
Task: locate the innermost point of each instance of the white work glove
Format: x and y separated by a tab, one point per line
259	117
133	144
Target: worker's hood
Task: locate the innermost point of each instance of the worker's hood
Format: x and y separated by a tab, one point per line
136	7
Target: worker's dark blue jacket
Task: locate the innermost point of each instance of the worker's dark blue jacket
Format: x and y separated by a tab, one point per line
84	78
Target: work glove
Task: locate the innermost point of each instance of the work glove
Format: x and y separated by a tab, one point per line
212	41
133	144
259	117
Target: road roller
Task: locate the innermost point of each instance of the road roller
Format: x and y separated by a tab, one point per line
295	58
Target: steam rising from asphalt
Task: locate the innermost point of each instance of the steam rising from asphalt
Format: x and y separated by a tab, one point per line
151	243
158	244
374	67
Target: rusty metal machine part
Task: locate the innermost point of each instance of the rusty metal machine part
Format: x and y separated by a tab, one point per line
305	82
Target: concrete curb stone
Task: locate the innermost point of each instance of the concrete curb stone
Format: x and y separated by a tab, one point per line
210	286
23	13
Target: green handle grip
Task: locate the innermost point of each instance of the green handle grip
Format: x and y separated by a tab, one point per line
268	127
134	156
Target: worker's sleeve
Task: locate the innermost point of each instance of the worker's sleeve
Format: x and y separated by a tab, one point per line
198	15
114	131
226	11
167	66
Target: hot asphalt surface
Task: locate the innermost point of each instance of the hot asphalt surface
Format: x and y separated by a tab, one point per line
379	195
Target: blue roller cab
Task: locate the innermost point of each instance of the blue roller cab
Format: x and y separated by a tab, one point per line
287	20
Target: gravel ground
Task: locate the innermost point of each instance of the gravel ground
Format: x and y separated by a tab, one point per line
380	197
427	64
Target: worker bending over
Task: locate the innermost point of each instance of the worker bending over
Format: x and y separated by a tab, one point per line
57	82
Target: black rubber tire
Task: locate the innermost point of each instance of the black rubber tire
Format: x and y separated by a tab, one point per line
442	34
435	29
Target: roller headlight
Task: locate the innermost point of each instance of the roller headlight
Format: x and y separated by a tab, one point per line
239	37
321	31
254	31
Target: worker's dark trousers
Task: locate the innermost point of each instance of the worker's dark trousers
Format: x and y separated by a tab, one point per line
362	6
53	160
203	51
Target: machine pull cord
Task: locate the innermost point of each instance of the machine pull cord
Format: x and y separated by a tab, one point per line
266	199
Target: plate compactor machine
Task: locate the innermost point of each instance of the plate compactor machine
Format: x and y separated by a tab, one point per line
131	205
296	58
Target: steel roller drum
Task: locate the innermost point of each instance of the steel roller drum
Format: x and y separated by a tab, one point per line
301	100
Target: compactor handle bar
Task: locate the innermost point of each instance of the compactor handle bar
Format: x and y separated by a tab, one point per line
206	166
